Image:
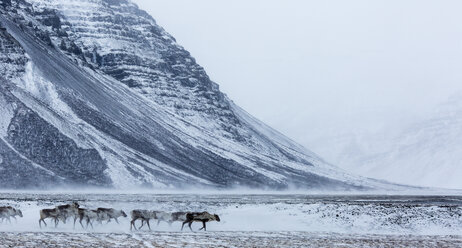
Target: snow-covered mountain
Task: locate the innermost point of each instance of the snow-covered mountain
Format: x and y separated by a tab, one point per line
94	92
428	153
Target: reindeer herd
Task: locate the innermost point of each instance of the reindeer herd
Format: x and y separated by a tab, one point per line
87	217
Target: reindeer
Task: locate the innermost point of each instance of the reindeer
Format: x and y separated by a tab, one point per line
144	215
108	214
163	216
7	212
69	210
88	215
52	213
179	216
61	212
170	217
203	217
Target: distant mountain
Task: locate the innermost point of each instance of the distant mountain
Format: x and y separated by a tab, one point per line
95	93
428	153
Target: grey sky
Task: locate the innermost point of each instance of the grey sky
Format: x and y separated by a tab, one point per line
306	66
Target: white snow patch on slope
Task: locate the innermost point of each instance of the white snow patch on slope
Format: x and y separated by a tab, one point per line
6	114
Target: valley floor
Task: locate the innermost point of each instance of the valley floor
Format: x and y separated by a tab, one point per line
247	220
221	239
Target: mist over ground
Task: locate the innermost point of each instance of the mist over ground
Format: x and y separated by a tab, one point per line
344	79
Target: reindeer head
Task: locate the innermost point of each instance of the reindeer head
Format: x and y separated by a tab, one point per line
123	213
19	212
75	205
217	218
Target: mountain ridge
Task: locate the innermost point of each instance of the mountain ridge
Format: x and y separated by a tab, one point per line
103	96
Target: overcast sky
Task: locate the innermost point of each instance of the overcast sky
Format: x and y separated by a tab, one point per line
305	67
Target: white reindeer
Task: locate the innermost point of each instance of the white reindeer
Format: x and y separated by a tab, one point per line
108	214
146	215
7	212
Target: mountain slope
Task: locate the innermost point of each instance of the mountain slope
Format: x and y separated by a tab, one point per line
96	93
428	153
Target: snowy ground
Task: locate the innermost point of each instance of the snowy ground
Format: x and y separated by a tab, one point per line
258	220
221	239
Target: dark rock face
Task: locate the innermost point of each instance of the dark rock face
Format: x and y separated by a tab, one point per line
17	172
5	3
12	56
96	93
35	154
55	151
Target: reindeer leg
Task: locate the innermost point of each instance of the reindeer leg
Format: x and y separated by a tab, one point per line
203	226
80	221
142	223
158	222
87	219
116	220
132	224
149	225
190	223
184	222
64	219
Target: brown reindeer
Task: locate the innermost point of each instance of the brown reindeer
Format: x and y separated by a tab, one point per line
52	213
203	217
69	210
61	212
88	215
143	215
